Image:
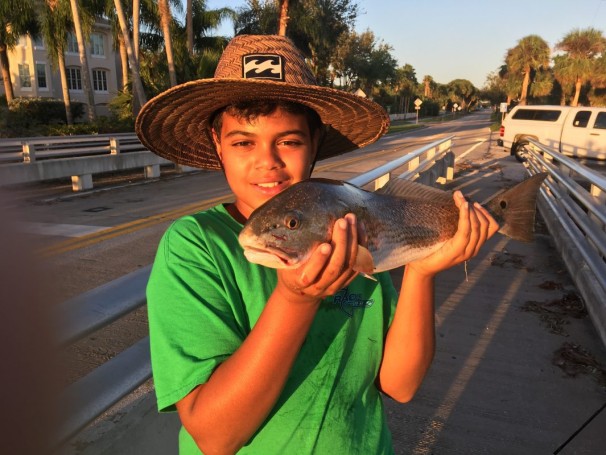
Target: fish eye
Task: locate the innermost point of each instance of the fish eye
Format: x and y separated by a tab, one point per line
291	222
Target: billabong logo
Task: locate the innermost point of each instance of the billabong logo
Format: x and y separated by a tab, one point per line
263	66
349	302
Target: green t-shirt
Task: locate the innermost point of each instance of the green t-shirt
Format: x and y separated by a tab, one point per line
203	299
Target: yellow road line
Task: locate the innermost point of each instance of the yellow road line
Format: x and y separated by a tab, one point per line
106	234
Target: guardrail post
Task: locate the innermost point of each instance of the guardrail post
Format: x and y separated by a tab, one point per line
600	196
183	168
382	181
29	152
82	182
152	171
114	146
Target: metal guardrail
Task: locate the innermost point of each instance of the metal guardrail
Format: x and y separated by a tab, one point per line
95	393
31	149
574	208
25	160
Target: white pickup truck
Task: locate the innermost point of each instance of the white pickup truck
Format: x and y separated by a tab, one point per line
575	131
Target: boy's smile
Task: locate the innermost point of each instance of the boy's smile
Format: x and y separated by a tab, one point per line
264	156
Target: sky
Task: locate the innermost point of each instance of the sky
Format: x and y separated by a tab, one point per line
463	39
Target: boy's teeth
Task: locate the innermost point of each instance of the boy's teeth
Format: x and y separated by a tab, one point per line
268	185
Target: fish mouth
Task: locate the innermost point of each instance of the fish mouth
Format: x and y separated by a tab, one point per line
271	257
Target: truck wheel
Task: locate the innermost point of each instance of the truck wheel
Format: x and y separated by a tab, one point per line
519	151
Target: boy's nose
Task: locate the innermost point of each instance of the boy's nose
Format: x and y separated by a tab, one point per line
268	157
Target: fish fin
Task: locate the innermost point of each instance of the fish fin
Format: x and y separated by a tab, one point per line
515	208
406	188
366	275
365	264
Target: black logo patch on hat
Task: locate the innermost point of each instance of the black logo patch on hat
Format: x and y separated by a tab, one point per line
263	66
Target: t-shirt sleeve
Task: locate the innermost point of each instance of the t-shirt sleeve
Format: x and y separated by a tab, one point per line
191	322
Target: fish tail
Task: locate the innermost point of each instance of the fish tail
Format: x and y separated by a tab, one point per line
515	208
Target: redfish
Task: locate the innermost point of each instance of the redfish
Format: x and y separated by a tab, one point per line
403	221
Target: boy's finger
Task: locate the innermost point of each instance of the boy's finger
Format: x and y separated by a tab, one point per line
312	269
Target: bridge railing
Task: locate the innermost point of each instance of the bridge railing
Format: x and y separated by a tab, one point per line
574	209
25	160
89	397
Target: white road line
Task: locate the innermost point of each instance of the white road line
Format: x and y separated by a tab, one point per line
480	142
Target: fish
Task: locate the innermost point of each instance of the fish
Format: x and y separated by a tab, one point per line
404	221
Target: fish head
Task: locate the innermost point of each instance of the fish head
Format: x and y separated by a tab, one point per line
283	232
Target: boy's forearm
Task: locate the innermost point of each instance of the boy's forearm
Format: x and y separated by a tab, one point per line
225	412
410	341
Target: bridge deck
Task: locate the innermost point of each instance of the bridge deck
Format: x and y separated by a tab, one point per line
514	370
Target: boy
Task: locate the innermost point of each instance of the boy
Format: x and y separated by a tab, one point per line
263	361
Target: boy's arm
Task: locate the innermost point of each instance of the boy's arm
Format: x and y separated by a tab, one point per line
410	341
226	411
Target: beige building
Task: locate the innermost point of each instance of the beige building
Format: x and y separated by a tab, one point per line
33	76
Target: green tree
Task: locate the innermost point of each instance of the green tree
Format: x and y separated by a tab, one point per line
494	89
132	58
531	54
165	21
313	25
582	47
17	18
81	36
404	85
463	92
363	62
56	21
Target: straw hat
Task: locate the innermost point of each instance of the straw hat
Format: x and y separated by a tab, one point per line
175	124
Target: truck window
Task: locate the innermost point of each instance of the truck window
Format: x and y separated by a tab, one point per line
537	114
581	119
600	121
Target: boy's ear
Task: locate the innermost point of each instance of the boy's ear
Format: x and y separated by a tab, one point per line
217	143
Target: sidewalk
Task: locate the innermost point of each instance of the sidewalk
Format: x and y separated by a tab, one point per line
497	385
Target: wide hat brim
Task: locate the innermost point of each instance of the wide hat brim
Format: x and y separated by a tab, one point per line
175	124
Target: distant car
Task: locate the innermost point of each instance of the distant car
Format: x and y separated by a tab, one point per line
574	131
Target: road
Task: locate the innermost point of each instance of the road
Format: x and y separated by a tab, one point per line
90	239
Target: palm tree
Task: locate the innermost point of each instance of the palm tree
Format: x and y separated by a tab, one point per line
86	86
283	19
132	59
531	54
56	21
165	20
17	18
582	47
427	81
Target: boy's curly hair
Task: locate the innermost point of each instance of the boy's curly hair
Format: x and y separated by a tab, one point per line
250	110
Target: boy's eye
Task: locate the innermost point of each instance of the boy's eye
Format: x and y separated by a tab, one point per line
241	143
290	143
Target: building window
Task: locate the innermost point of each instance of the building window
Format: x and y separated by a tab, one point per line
41	75
72	43
96	45
74	79
25	80
39	43
100	80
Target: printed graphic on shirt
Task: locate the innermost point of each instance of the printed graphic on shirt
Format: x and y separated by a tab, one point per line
349	302
263	66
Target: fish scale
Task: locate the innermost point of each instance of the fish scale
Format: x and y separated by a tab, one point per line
403	221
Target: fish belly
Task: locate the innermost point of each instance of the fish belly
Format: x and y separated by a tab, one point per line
389	258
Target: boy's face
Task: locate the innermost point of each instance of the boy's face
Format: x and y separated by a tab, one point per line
265	156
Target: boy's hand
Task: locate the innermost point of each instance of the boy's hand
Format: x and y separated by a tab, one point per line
328	270
476	225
